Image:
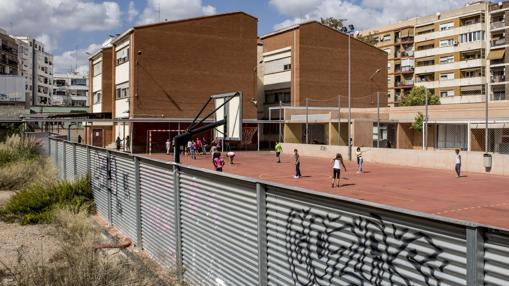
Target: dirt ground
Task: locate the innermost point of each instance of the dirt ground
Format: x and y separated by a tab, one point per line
480	198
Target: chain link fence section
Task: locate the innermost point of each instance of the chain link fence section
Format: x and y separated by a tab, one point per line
497	138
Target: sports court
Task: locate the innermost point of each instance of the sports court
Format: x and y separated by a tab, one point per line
474	197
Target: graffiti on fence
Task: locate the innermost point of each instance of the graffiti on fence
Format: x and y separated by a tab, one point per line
368	257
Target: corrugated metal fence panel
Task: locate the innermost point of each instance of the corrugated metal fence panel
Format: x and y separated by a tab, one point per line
123	194
81	160
219	230
158	212
60	159
496	260
53	150
69	161
312	244
99	180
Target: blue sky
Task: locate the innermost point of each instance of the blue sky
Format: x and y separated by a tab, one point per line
72	28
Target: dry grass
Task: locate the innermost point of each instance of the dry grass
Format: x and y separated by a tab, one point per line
76	263
21	164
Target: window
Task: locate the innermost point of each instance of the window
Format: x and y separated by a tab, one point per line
446	43
446	60
276	66
446	93
97	68
472	37
79	81
60	82
387	50
386	38
122	91
446	26
274	96
447	76
122	55
97	97
287	67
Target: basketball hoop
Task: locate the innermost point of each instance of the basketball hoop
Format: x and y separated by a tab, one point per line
248	134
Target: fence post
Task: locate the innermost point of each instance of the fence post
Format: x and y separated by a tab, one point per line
137	188
475	256
178	227
64	164
75	165
262	233
49	146
108	187
89	171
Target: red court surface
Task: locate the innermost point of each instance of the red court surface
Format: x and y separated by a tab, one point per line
474	197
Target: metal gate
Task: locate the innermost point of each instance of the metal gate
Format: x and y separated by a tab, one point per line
158	214
99	176
123	194
69	161
219	230
496	260
310	243
81	161
60	159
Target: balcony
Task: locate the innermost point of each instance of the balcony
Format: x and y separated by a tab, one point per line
498	42
404	54
450	32
497	25
405	83
498	77
451	66
407	69
449	50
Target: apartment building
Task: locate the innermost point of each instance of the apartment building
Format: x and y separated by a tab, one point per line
450	51
36	66
8	54
307	64
397	40
168	70
70	90
498	56
100	97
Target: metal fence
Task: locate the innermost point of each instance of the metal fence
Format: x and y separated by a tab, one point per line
230	230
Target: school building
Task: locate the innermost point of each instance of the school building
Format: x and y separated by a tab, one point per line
160	75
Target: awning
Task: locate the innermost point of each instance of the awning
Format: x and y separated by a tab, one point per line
496	54
404	33
471	88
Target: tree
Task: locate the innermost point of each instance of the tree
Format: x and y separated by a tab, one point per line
418	123
331	22
369	39
417	96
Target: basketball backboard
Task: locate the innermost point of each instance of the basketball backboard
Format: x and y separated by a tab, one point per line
231	111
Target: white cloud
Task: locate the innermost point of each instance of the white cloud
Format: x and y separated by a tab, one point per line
364	14
158	10
73	60
132	12
48	19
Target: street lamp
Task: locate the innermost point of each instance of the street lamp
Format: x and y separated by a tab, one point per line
377	110
349	30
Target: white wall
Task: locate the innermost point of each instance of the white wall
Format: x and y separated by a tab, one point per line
122	73
432	159
97	107
122	108
96	83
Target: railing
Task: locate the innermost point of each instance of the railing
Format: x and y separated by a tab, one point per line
498	42
496	25
230	230
498	78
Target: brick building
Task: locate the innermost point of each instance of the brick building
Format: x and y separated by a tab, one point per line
168	71
309	62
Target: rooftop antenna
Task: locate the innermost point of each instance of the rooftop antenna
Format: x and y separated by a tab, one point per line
76	59
158	11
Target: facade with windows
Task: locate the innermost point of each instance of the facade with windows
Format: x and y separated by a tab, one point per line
70	90
36	66
8	54
397	41
498	55
450	51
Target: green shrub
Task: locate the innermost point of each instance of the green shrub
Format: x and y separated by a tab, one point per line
37	203
16	149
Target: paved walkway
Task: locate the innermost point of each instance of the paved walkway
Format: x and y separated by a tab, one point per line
479	198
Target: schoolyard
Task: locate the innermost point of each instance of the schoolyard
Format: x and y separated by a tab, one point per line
474	197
